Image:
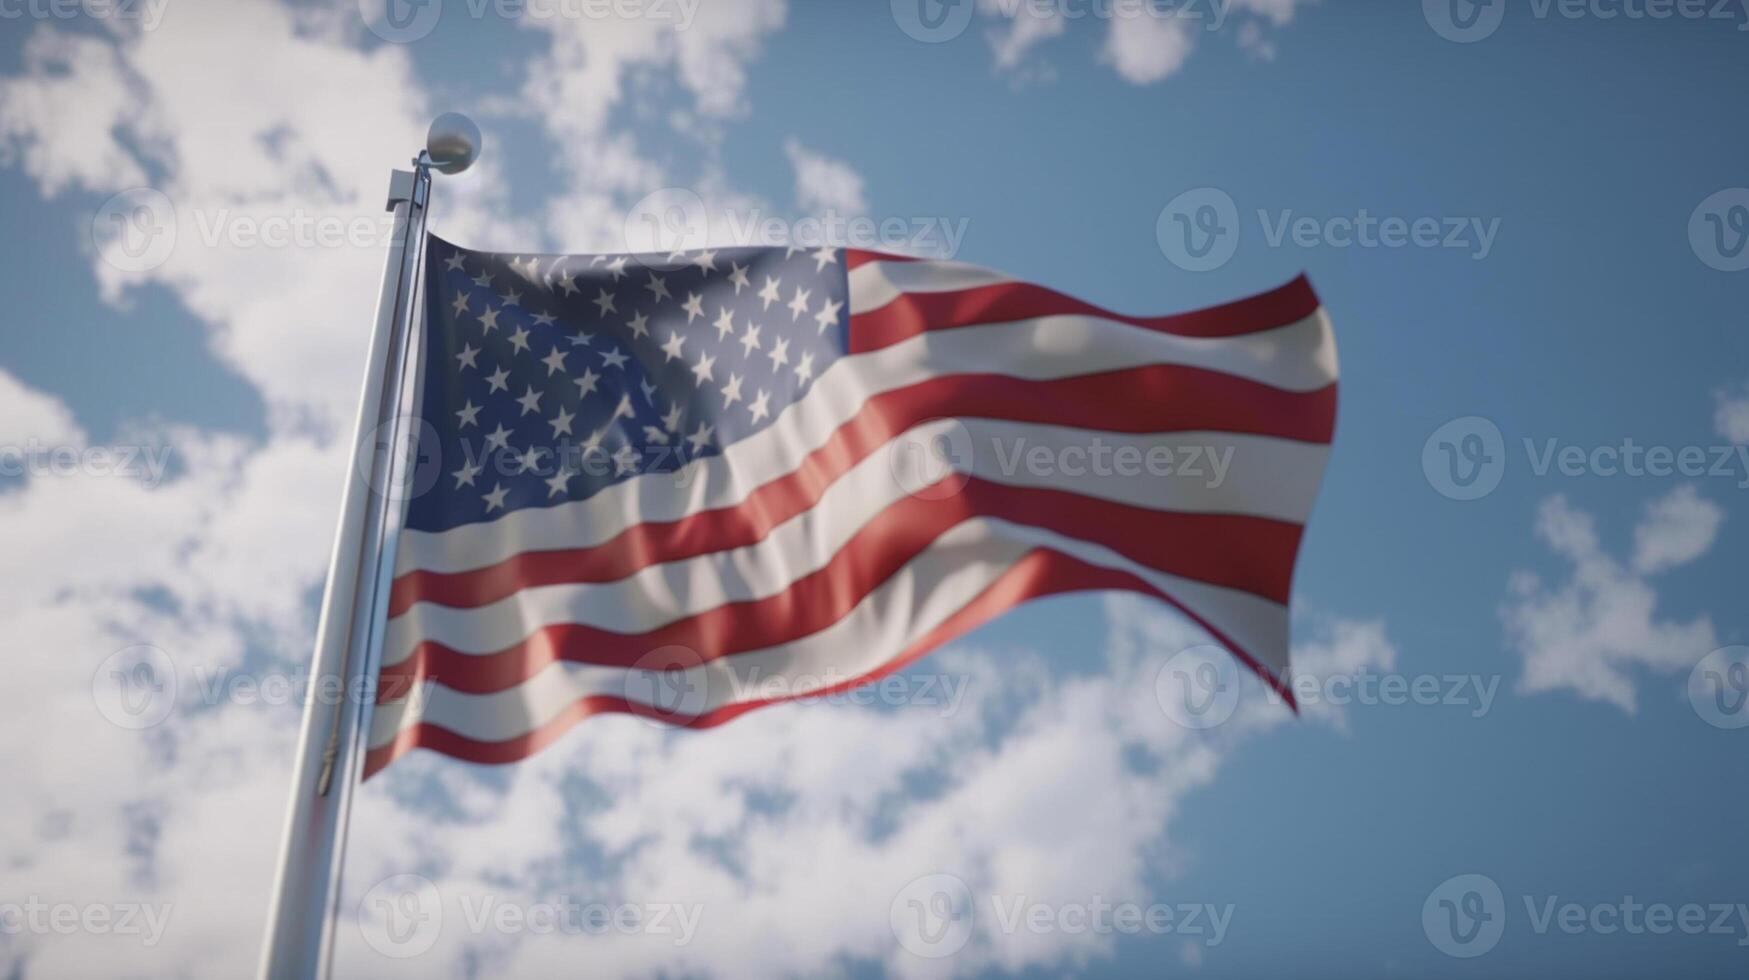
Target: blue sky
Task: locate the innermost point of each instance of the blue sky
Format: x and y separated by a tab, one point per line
1596	309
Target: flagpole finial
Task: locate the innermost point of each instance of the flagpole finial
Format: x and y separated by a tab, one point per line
453	143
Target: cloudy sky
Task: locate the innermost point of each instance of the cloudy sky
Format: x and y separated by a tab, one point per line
1519	615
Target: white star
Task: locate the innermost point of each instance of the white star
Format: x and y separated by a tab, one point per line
828	315
701	438
805	367
732	390
614	358
555	362
649	391
738	276
464	477
461	303
604	302
566	283
559	483
640	325
625	461
799	304
706	260
702	370
750	341
483	279
694	307
586	383
592	444
453	262
467	355
544	319
497	381
495	499
489	320
498	438
561	422
671	421
581	340
511	298
470	415
623	410
671	349
823	257
761	406
769	293
519	340
618	268
779	352
528	460
658	289
725	323
530	402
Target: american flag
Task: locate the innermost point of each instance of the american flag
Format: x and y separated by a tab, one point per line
688	486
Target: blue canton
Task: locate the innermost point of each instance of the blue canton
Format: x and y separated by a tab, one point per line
549	377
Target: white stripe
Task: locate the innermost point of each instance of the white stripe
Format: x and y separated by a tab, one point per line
942	580
1267	477
876	284
1297	357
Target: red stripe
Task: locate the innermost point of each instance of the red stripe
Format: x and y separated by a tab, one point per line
913	313
1039	574
1250	554
1159	398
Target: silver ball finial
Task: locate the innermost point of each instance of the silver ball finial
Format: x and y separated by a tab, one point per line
453	143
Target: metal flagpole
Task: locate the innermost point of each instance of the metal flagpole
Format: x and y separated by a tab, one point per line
300	927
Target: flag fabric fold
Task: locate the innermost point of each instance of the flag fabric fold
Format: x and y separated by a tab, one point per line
692	485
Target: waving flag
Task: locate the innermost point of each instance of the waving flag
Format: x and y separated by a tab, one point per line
690	486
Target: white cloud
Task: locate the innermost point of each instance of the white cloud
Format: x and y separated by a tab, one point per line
796	827
1731	419
823	183
1028	25
1145	50
1587	634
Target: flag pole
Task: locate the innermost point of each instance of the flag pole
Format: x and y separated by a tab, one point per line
300	928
